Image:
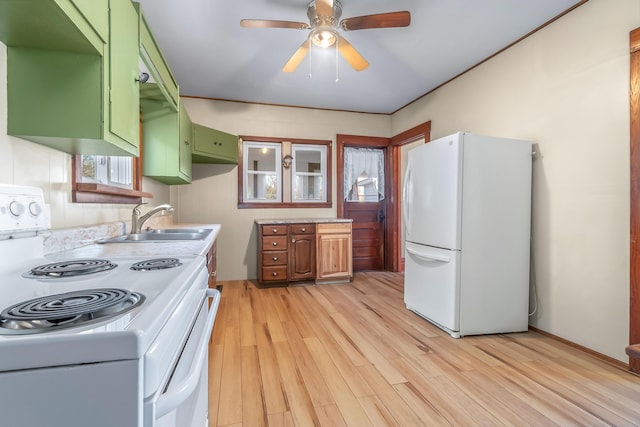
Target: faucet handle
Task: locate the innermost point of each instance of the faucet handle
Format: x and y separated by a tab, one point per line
136	210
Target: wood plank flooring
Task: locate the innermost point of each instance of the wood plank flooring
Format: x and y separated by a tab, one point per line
353	355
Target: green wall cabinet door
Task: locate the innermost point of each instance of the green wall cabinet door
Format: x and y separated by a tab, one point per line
213	146
167	147
79	26
124	107
77	93
162	87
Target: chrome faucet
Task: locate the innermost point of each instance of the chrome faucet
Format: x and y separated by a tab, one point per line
138	221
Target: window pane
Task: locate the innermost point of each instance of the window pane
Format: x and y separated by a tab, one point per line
262	159
309	173
363	174
308	187
261	171
307	161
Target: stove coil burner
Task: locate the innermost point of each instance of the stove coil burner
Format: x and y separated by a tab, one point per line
156	264
76	267
59	311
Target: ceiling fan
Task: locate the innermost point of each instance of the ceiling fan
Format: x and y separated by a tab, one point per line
324	22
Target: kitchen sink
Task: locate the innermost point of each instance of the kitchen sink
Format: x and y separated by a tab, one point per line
161	235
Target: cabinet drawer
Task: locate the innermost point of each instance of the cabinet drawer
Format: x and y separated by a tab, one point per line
274	258
272	243
273	230
276	273
303	228
334	227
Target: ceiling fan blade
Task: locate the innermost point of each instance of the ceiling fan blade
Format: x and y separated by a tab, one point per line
380	20
297	57
324	7
351	54
268	23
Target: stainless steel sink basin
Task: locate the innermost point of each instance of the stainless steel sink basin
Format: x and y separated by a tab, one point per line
162	235
179	230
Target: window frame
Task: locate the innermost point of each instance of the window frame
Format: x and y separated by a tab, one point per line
278	171
86	192
322	149
286	175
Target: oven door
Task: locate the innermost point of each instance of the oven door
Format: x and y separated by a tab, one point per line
184	400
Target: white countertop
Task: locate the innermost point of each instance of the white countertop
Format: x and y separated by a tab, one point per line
175	248
301	221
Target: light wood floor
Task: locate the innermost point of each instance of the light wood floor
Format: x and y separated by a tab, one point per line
335	355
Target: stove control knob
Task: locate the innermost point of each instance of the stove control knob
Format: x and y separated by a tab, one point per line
35	209
16	208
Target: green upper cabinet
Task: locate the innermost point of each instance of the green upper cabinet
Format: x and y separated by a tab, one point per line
72	69
161	90
213	146
167	147
79	26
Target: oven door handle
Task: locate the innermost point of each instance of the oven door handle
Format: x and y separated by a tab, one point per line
178	393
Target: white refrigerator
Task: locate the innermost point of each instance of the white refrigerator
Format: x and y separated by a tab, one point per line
467	215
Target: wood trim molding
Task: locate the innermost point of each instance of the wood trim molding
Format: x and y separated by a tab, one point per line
634	282
603	357
283	205
394	215
82	192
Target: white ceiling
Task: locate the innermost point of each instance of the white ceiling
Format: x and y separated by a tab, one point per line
212	56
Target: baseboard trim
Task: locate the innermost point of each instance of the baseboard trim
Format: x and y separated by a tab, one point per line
610	360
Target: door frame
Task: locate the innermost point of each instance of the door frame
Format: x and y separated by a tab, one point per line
359	141
634	140
393	259
416	133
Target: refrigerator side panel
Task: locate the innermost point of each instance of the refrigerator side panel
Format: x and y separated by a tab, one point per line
431	284
496	218
432	194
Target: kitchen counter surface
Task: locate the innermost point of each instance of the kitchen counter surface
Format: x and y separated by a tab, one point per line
301	221
174	248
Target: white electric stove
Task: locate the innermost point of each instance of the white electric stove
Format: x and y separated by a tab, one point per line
118	341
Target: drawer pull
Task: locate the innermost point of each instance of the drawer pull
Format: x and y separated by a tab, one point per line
274	274
275	258
275	243
275	230
304	229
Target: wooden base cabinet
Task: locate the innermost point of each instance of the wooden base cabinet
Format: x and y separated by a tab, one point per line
334	248
306	251
272	253
302	252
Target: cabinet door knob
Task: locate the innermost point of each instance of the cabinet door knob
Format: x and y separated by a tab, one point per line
275	274
275	258
275	243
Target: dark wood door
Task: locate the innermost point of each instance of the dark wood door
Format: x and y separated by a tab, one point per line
302	257
368	210
367	234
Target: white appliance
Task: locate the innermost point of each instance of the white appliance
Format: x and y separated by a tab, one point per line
144	364
467	214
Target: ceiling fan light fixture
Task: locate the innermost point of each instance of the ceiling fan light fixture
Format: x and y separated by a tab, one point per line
323	37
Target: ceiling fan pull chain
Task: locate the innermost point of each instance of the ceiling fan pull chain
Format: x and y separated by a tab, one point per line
310	53
336	49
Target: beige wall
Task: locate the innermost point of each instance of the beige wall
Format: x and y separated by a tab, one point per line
213	195
25	163
566	88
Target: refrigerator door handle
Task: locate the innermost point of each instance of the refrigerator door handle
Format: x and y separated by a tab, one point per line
428	257
405	199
